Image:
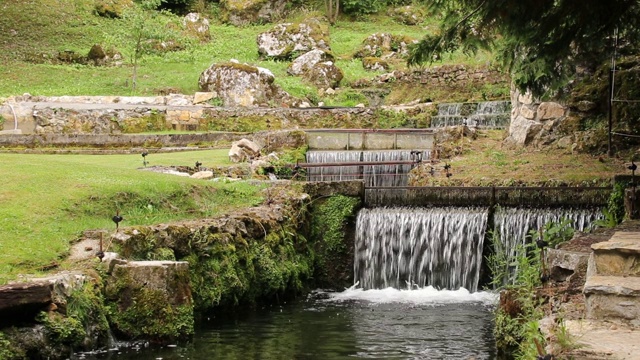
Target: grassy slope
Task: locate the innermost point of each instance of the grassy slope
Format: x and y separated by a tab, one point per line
47	200
48	26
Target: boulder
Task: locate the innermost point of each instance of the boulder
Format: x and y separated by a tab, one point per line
374	64
97	55
286	40
523	131
241	85
203	175
306	61
245	12
151	299
112	8
385	46
550	110
408	15
243	150
197	26
324	75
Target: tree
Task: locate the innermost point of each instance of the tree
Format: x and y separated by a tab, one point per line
333	9
540	42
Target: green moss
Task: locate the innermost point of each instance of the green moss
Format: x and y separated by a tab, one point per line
155	121
237	66
7	350
241	124
137	311
329	230
63	330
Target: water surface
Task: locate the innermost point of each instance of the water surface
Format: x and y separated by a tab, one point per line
371	324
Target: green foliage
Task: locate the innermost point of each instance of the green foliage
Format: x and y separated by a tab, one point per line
227	270
7	350
63	330
615	204
554	233
284	165
328	232
362	7
151	315
155	121
540	45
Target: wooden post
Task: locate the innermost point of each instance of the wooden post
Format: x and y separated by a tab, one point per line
632	202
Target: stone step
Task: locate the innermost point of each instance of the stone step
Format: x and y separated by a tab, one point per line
618	256
613	297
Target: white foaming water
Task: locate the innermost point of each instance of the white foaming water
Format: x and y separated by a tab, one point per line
424	296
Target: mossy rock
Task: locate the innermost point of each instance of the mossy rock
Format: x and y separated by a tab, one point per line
112	8
408	15
374	64
324	75
287	41
385	45
246	12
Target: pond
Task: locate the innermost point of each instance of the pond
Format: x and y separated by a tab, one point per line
372	324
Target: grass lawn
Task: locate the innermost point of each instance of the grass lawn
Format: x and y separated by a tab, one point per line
46	201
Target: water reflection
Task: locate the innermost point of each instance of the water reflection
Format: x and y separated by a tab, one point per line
372	324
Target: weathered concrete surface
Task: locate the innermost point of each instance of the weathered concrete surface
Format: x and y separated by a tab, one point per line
370	140
602	341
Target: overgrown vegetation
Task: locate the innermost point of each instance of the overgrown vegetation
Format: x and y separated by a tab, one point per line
328	230
519	278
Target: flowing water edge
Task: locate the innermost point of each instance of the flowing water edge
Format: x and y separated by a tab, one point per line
367	324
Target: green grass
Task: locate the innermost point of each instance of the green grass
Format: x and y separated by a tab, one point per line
46	201
48	26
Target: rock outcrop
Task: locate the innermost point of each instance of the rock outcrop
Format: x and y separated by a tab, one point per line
408	15
197	26
385	46
308	60
242	85
286	40
245	12
243	150
374	64
324	75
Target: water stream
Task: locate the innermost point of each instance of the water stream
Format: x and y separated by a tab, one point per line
489	114
371	324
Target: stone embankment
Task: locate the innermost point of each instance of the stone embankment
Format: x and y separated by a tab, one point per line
113	115
595	295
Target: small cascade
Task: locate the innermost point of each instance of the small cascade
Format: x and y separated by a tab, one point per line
373	175
514	224
409	247
489	114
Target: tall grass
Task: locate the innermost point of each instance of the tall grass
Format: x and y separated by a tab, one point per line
46	201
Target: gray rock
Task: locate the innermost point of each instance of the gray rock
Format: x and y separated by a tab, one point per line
324	75
197	26
522	131
241	84
306	61
287	39
243	150
563	264
240	13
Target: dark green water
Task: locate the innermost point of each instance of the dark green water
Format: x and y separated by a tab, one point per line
372	324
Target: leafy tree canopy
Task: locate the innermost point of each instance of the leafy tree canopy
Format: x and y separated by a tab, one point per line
540	42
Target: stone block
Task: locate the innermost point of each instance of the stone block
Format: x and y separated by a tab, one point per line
618	256
201	97
550	110
563	264
612	297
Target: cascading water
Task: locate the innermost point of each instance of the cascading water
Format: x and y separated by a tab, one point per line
514	224
373	175
442	247
401	247
489	114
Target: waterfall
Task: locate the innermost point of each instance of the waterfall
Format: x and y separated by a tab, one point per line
442	247
488	114
407	247
513	224
373	175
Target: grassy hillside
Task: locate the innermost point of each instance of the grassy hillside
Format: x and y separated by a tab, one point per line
46	201
35	29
